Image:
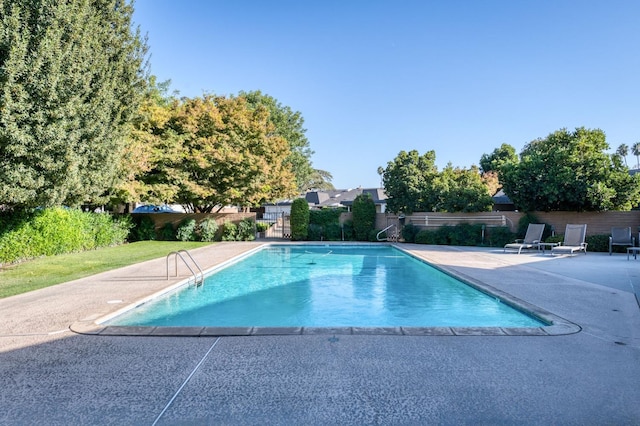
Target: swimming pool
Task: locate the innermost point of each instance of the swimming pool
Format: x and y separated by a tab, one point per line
328	286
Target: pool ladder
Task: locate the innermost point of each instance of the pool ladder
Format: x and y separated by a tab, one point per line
198	276
392	237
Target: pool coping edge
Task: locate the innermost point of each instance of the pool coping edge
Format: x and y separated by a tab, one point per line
91	328
557	326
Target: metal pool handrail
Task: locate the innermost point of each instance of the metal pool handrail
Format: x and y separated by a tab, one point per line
177	254
379	233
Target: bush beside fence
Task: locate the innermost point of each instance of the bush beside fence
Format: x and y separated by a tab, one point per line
54	231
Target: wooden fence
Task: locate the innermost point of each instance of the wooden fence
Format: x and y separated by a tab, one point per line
598	223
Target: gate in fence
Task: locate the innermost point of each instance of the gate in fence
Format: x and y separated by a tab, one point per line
279	225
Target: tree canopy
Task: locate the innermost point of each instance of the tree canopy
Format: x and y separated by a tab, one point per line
500	156
209	152
461	190
405	178
412	183
143	169
570	171
288	125
71	77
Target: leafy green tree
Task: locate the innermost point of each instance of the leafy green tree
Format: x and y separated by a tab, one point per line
299	219
570	171
71	77
413	183
150	142
214	151
364	216
500	156
405	179
288	125
462	190
320	180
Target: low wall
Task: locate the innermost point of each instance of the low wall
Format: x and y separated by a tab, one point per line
598	223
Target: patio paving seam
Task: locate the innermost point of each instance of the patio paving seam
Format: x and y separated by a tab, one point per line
193	372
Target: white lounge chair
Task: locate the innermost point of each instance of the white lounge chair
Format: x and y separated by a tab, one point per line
532	238
574	236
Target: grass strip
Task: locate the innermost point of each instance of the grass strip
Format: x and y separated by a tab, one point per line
47	271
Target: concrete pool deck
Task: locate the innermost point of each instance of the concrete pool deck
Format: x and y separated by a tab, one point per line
55	376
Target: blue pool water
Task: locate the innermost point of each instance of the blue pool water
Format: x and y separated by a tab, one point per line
328	286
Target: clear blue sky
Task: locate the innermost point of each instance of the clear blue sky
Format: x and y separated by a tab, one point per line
372	77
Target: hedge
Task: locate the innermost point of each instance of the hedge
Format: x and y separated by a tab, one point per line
299	219
463	234
325	225
46	232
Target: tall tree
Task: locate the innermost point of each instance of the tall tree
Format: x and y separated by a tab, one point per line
500	156
364	216
461	190
287	124
412	183
151	142
405	179
71	77
299	219
570	171
320	180
635	149
622	152
215	151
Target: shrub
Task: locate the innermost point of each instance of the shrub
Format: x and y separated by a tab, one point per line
347	231
144	229
554	239
314	232
103	229
333	232
465	234
441	235
425	236
499	236
246	230
58	231
409	232
600	243
167	233
54	231
262	226
364	217
208	229
373	236
229	231
324	225
187	230
299	219
325	216
524	222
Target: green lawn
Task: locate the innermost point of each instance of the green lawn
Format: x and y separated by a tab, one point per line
48	271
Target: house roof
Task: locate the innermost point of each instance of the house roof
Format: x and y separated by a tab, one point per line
343	197
337	197
501	198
